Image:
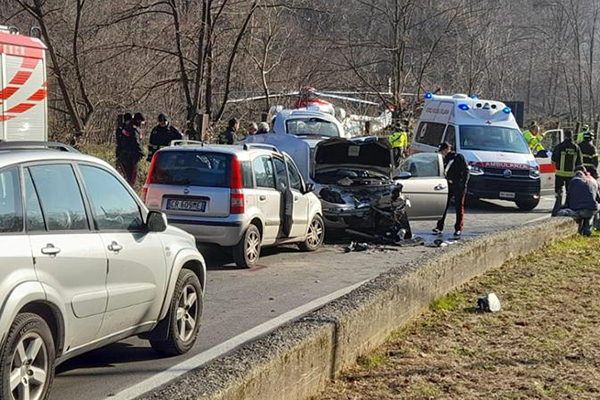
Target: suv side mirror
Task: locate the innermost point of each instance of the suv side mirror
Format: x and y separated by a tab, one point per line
309	187
156	222
403	175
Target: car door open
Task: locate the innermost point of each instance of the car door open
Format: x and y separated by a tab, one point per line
424	184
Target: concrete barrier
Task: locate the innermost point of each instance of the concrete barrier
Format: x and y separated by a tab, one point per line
297	360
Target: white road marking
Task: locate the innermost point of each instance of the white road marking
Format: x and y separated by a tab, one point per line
543	217
162	378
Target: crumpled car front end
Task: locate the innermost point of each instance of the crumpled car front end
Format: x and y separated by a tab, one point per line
354	184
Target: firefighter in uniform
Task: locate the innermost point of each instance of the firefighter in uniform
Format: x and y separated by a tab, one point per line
162	135
566	156
399	141
533	138
588	151
581	135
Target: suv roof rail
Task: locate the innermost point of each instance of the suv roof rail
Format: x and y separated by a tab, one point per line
33	145
248	146
184	142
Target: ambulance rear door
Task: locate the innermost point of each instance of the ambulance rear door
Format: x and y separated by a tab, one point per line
432	125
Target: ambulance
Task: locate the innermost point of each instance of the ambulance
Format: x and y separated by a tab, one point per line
486	133
23	95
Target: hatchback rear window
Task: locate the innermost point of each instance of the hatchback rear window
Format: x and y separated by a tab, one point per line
192	168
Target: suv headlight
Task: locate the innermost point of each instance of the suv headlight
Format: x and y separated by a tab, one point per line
534	173
475	169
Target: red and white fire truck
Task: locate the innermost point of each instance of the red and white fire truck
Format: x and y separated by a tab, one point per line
23	93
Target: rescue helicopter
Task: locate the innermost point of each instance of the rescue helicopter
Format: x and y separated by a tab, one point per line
311	99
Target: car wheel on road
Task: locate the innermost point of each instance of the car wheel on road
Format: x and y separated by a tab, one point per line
27	359
184	316
316	235
527	205
247	251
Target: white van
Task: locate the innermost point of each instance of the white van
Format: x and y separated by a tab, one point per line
486	133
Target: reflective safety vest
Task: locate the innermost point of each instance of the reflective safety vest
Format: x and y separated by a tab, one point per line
568	161
580	136
590	160
399	139
533	141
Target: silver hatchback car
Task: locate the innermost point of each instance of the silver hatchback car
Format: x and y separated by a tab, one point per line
242	197
83	264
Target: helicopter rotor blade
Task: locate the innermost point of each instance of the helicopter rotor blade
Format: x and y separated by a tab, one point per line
335	96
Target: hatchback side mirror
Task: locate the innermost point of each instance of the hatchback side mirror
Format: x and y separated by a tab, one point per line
156	222
403	175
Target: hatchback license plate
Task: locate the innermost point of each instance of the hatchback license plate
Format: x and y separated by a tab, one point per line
507	195
186	205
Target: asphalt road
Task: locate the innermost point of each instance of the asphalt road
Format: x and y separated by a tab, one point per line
238	300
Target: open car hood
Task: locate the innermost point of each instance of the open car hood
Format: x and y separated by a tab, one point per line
369	153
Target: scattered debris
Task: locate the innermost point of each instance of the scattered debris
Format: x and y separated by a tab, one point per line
489	303
356	246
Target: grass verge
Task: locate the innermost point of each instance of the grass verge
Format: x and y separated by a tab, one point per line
544	344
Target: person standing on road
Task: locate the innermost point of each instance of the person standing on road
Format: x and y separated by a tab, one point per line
533	138
162	135
229	136
457	174
399	141
566	156
588	151
131	148
582	199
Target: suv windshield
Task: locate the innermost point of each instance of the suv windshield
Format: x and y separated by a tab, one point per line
311	126
192	168
492	138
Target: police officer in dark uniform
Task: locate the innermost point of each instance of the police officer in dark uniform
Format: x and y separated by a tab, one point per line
566	156
131	148
457	174
162	135
588	151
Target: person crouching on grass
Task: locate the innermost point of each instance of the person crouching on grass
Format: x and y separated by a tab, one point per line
457	174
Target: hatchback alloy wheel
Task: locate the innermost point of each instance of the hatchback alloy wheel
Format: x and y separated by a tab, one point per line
29	368
253	246
187	312
315	233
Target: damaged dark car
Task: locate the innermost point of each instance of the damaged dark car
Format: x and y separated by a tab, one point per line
354	181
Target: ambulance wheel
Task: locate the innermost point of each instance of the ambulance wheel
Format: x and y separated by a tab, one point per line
527	204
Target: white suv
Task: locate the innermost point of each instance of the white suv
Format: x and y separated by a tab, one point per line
243	197
83	263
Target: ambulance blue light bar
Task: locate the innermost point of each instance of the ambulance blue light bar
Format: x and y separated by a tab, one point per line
474	97
464	107
429	95
507	110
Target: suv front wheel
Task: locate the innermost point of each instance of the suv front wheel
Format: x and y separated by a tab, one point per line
247	251
183	318
27	359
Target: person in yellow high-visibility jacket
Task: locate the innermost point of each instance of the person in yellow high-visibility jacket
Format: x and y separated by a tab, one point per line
533	138
399	142
581	135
